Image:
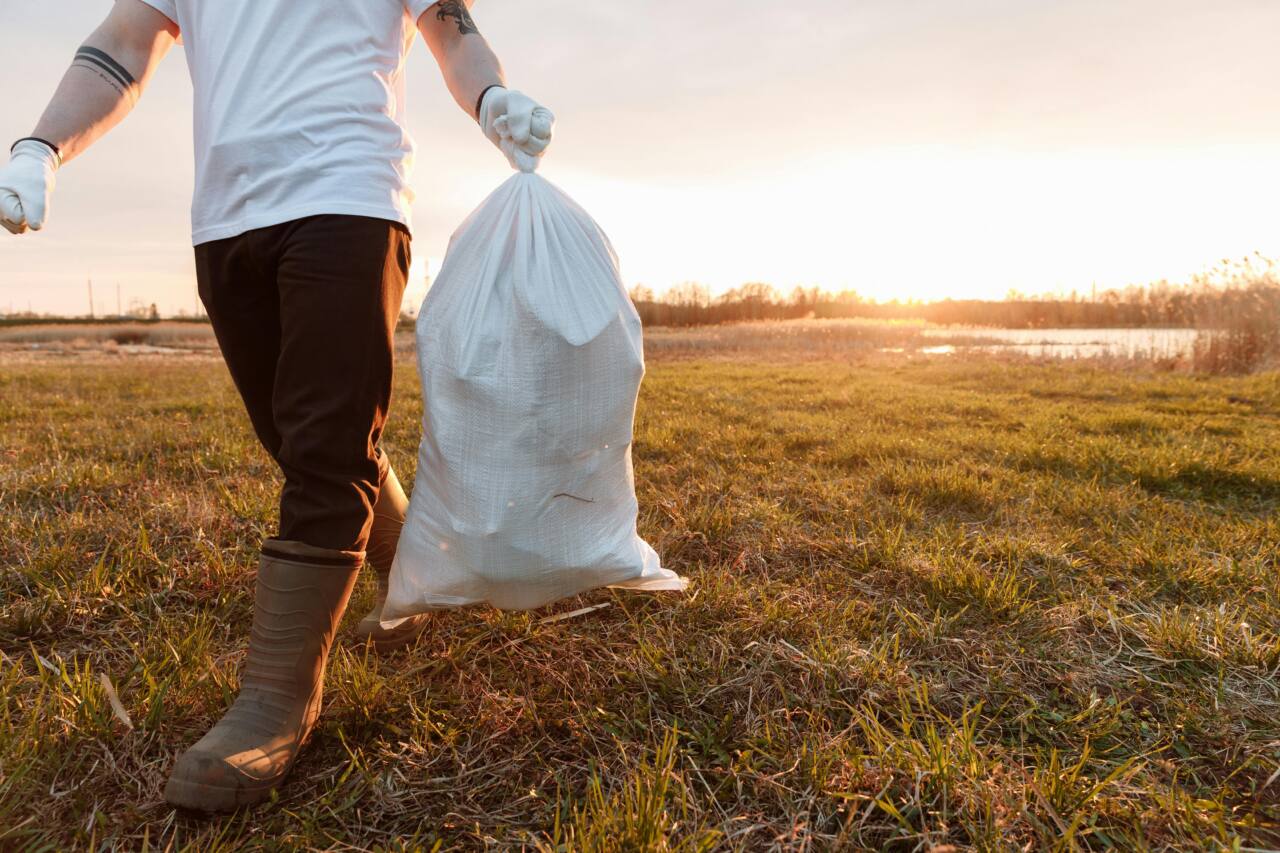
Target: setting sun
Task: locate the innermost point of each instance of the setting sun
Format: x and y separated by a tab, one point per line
933	224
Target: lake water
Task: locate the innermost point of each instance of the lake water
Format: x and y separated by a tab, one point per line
1065	343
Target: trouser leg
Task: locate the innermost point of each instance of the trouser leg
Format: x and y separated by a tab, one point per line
305	315
341	281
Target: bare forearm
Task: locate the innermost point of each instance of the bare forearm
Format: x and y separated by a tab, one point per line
466	61
87	104
107	76
471	68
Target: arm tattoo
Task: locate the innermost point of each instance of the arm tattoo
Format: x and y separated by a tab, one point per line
108	69
457	10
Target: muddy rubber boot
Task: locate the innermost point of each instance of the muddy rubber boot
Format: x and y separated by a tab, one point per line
301	594
384	537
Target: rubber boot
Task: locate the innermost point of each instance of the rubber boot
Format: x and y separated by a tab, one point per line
301	595
384	537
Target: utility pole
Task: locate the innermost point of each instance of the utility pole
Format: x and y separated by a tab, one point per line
90	299
119	313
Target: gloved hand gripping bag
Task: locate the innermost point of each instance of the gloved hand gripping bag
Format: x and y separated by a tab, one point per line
531	358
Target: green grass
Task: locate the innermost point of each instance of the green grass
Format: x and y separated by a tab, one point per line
970	603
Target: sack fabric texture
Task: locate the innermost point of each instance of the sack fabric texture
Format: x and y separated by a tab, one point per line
531	358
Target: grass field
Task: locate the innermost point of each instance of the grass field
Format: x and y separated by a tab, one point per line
950	602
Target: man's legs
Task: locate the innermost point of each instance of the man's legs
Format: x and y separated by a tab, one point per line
305	313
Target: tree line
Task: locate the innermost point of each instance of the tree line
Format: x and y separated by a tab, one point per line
1250	287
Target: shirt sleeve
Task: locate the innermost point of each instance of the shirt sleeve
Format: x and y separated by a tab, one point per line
168	8
416	8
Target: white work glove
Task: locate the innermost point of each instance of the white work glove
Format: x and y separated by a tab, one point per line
26	185
518	125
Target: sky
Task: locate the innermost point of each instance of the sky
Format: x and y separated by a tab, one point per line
902	148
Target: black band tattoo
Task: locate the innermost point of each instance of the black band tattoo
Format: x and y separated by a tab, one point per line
457	10
108	69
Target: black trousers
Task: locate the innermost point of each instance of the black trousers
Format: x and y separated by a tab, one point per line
305	315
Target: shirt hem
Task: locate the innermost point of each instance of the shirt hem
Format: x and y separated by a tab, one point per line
418	8
212	233
166	8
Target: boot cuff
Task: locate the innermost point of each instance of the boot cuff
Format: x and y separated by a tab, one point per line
300	552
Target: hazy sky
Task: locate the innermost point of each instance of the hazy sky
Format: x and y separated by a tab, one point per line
913	148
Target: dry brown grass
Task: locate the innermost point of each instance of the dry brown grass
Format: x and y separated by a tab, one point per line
85	334
971	603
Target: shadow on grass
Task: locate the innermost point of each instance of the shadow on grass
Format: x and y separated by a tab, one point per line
1206	483
1192	482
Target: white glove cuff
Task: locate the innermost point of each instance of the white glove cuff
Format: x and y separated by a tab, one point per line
484	97
37	148
485	115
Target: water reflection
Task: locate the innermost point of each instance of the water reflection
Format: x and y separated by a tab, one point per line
1065	343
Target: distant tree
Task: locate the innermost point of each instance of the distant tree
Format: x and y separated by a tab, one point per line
688	294
1160	304
803	302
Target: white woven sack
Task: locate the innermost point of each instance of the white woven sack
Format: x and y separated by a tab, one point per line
531	357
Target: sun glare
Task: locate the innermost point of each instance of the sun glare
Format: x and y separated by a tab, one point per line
934	224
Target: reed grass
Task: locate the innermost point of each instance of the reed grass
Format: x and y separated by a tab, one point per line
1240	329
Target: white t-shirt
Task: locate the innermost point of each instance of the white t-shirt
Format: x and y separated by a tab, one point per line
299	109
